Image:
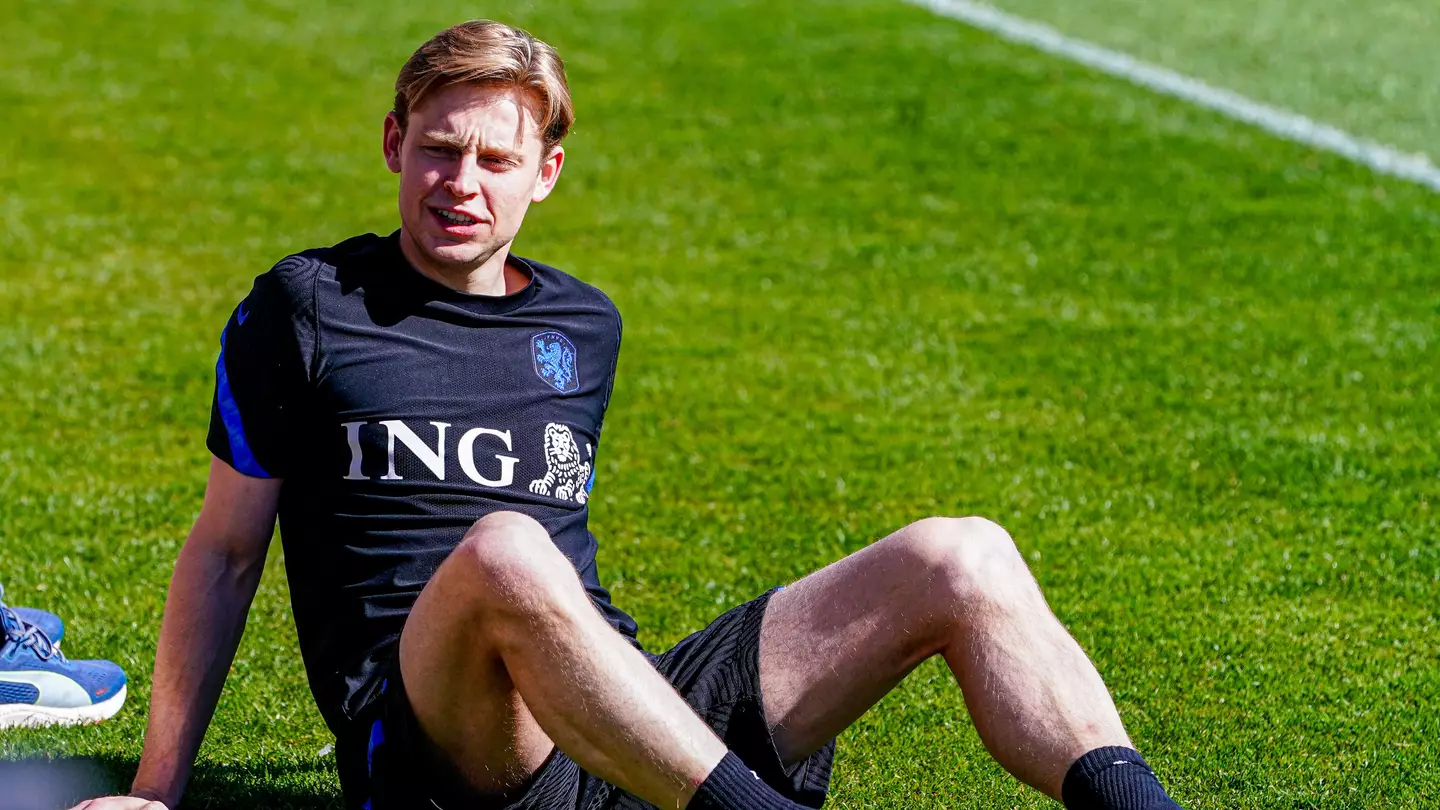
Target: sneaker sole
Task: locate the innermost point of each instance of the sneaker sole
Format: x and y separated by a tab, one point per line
19	715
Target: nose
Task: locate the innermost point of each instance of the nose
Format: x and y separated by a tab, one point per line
465	181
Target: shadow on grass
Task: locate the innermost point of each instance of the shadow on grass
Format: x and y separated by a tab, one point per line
55	784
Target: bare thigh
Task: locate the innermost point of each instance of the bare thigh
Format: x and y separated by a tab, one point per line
460	691
505	658
836	642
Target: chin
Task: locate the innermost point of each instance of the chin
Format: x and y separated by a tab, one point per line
464	253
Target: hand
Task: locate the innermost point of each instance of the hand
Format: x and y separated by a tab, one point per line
121	803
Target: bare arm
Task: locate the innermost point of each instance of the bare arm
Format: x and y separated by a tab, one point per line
214	582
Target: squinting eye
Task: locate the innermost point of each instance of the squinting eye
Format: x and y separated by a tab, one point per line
440	151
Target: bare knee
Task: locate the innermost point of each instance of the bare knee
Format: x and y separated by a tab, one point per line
510	564
968	558
499	527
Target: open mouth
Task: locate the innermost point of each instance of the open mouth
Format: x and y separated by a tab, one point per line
454	217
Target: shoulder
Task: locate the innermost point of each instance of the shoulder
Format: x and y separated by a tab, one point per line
561	284
301	270
293	281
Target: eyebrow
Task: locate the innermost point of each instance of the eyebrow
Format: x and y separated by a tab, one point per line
460	144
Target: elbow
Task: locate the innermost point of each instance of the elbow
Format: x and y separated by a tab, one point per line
222	562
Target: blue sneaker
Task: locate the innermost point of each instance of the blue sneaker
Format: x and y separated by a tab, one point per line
40	686
49	623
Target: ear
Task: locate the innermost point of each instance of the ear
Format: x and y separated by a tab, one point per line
393	138
549	173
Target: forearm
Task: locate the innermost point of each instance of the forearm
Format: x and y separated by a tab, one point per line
210	595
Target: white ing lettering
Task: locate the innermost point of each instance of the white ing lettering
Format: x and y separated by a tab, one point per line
466	451
352	436
433	459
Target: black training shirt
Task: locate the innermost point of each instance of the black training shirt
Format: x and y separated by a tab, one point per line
398	412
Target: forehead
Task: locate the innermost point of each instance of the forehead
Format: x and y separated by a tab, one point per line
491	115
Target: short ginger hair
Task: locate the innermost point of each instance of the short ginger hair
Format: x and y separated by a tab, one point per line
486	52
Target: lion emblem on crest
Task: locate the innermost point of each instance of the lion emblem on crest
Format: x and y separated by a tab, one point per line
566	476
554	357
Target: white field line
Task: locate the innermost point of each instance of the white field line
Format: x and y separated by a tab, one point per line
1291	126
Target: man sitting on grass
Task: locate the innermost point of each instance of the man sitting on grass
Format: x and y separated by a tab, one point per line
423	410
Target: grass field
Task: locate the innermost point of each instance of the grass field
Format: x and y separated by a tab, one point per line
874	266
1370	69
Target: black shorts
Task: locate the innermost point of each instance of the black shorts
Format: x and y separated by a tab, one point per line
716	670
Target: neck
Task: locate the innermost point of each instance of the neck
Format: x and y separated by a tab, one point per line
493	276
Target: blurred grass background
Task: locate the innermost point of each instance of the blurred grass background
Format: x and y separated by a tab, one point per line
874	266
1372	69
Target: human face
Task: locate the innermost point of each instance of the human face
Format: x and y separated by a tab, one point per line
470	160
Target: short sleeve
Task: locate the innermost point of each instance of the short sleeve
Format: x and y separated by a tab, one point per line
261	378
614	368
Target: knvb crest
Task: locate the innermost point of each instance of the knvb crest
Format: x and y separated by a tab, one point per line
554	356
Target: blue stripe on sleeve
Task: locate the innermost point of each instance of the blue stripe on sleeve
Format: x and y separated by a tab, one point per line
241	458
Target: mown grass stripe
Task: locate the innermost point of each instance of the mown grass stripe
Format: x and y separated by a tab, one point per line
1292	126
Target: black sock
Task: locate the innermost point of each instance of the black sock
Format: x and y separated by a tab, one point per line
732	786
1114	779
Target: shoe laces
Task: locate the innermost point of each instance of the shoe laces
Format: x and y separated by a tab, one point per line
26	636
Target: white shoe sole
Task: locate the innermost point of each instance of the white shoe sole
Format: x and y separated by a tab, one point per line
19	715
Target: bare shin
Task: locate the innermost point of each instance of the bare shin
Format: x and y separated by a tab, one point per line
1035	698
837	641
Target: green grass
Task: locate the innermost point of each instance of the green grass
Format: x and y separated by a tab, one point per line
1371	69
874	266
